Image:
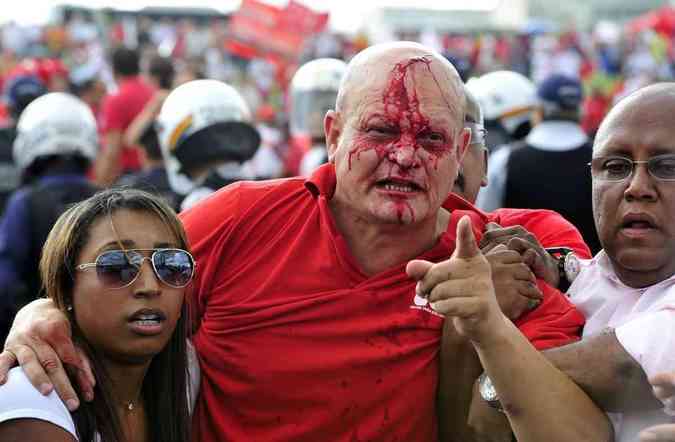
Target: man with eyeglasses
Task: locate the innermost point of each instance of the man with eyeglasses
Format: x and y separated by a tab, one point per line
627	291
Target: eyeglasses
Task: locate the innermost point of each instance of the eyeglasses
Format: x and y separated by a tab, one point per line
120	268
478	133
661	167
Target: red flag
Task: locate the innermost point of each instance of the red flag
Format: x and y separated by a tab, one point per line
257	29
303	20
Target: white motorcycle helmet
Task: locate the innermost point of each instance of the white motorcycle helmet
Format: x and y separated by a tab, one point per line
55	124
201	125
506	96
314	90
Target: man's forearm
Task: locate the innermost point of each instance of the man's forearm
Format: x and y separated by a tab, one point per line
606	372
459	369
541	402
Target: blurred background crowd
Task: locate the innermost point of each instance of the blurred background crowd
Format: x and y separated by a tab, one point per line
257	46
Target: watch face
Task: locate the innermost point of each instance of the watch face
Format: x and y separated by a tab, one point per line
572	267
486	389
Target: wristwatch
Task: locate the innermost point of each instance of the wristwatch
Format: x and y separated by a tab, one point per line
488	393
568	266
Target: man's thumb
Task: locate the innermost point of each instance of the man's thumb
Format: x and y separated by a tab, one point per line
465	245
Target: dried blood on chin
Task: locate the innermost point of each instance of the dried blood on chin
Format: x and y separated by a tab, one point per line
403	137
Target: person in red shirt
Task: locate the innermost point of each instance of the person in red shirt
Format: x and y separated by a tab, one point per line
118	111
307	322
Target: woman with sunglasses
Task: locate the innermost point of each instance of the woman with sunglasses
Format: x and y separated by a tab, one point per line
116	264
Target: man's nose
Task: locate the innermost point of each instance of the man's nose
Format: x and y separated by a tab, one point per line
405	154
641	185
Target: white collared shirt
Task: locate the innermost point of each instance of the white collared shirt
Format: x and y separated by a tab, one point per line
644	323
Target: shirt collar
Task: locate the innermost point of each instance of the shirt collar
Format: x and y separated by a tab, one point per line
322	181
558	136
602	261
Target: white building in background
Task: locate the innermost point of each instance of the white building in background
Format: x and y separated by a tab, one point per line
382	23
585	13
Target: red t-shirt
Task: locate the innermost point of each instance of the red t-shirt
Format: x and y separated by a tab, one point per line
556	319
120	109
295	342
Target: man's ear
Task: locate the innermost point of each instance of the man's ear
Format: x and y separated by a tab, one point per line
462	143
332	128
484	180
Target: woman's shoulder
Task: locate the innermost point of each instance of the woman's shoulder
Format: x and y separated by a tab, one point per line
20	400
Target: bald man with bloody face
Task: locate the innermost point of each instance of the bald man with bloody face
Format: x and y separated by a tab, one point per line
395	139
308	327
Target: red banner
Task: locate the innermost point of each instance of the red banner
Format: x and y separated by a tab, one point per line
302	20
261	30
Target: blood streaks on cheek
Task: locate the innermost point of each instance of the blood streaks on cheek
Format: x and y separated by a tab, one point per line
402	110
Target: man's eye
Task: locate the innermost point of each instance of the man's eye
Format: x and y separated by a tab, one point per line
380	130
616	167
433	137
665	167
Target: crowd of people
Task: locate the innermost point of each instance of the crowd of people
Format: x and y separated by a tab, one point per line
439	246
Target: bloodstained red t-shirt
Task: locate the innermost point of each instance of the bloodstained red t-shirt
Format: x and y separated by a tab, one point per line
120	109
295	342
556	319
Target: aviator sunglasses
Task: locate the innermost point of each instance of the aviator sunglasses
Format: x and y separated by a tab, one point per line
120	268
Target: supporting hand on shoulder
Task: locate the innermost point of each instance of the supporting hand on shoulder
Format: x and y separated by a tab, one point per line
40	341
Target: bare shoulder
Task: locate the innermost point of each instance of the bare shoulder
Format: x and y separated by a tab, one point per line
34	430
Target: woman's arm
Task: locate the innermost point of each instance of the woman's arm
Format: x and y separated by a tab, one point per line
33	430
40	341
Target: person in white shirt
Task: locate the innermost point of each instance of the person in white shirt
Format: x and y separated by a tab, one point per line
627	291
664	389
129	317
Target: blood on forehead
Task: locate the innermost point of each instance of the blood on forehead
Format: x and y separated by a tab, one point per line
401	103
402	109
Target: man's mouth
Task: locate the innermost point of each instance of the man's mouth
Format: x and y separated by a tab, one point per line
398	185
638	221
637	225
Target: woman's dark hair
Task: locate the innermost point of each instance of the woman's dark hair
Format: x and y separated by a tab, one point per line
164	388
